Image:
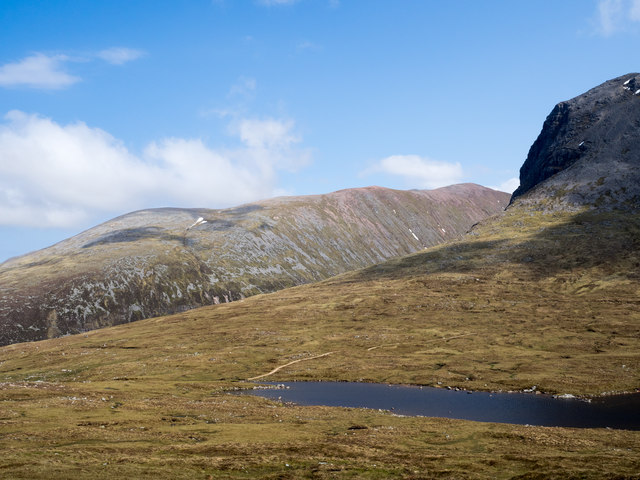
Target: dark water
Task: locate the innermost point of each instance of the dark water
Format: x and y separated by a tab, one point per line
620	411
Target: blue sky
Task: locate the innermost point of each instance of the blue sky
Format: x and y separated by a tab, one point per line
112	106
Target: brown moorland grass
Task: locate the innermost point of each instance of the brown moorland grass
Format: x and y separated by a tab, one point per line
527	299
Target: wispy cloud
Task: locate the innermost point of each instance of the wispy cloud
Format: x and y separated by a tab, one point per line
120	55
48	72
241	94
266	133
417	171
37	71
615	16
63	175
508	185
244	87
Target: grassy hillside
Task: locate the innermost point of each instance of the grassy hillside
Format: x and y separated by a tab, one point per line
151	263
528	298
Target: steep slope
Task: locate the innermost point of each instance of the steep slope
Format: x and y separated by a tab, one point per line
150	262
587	151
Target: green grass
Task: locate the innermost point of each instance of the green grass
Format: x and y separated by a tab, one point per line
528	299
185	431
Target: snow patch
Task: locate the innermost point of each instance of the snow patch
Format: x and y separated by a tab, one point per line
625	83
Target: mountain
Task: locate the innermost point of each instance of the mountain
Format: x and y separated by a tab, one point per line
543	296
155	262
587	152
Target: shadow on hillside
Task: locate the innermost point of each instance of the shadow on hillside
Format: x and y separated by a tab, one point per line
133	235
608	240
242	210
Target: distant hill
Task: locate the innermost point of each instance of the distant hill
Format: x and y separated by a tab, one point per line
154	262
588	152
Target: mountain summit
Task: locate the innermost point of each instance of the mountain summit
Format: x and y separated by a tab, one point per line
588	152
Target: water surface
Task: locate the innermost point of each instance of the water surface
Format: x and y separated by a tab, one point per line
619	411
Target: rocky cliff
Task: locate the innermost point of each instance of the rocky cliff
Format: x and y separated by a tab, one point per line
588	152
155	262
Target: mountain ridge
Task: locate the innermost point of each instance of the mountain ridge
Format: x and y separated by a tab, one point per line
152	262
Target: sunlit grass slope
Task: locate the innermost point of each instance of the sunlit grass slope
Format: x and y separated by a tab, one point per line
548	300
527	299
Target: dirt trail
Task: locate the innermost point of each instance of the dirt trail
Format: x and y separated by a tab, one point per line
444	339
287	364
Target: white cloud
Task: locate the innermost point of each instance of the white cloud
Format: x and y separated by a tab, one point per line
608	15
119	55
508	186
266	133
37	71
63	175
47	71
614	16
419	172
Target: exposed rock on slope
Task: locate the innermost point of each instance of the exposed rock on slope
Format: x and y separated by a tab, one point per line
148	263
588	152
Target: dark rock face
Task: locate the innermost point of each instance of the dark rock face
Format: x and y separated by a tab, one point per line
546	158
589	149
156	262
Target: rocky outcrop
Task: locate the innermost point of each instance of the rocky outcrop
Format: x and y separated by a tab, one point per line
588	152
150	263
